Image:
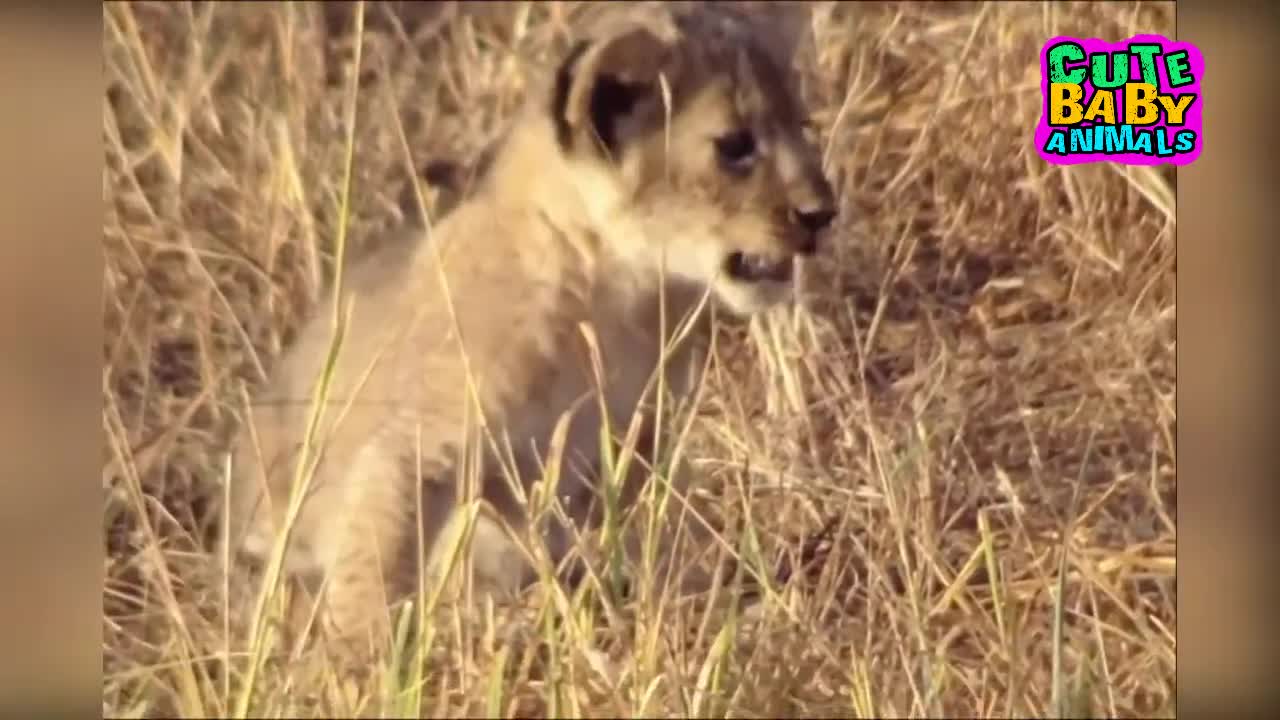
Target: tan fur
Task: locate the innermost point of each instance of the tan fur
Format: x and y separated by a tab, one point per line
565	233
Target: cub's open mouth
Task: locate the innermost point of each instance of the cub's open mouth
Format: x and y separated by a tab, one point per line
749	267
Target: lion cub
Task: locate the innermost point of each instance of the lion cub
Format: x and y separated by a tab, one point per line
664	167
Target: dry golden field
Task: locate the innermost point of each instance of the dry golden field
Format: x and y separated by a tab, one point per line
975	399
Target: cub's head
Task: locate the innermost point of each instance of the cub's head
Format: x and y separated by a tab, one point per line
686	123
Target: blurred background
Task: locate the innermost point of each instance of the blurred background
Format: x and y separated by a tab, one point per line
1227	388
51	441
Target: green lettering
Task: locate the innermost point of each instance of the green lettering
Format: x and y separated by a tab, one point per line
1179	69
1119	70
1059	56
1146	52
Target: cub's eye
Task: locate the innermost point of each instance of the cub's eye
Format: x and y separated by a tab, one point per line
737	150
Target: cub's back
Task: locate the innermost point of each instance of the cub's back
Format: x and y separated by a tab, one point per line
400	373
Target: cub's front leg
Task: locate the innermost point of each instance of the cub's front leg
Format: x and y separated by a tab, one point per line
371	558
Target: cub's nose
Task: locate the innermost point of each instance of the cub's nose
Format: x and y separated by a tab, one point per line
813	221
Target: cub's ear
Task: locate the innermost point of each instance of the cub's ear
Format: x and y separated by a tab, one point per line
607	89
784	28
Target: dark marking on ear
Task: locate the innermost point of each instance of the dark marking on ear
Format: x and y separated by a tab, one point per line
560	96
610	99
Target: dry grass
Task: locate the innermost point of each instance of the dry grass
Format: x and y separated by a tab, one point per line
977	399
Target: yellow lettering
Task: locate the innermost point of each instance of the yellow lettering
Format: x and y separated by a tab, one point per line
1175	111
1103	103
1064	104
1140	104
